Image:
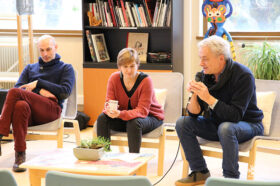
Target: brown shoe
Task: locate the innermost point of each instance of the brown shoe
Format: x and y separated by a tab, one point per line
194	178
19	159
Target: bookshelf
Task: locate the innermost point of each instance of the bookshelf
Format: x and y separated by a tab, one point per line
162	38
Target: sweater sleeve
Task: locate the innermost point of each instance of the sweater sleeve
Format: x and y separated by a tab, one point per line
243	91
23	78
144	102
63	89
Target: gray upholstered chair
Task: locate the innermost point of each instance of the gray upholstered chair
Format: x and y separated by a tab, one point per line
264	143
212	181
7	178
173	82
55	178
54	130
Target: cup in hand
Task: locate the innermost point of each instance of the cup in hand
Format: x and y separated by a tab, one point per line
112	105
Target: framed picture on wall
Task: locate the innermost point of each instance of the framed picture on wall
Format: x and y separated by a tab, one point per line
100	47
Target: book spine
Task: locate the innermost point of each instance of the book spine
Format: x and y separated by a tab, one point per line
156	13
143	18
110	2
124	13
90	46
138	14
135	16
147	13
129	14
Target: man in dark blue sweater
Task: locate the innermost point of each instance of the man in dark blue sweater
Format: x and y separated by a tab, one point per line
37	97
222	108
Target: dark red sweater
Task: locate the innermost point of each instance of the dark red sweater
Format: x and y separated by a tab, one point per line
143	100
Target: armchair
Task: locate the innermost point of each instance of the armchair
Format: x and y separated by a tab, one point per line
173	82
55	178
264	143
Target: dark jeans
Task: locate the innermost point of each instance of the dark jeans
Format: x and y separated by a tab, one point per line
134	128
229	134
23	108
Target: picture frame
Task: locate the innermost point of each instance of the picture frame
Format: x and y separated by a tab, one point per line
139	41
100	47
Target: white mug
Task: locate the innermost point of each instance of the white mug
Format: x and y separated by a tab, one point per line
112	105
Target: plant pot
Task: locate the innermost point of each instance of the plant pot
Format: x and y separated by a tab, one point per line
88	154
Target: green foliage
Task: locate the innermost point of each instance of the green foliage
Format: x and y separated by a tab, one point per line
96	143
264	61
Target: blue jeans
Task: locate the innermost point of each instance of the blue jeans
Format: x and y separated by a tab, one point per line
229	134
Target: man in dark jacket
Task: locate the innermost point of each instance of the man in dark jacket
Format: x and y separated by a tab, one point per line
222	108
37	97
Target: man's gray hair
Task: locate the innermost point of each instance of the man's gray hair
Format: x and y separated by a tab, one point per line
217	45
46	36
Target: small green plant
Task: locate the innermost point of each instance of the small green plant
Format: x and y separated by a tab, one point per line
264	61
96	143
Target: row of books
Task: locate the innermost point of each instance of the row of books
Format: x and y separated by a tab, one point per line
136	13
138	41
99	52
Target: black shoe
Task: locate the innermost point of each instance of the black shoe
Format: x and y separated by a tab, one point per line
19	159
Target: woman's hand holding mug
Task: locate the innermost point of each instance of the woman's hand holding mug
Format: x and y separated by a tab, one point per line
111	108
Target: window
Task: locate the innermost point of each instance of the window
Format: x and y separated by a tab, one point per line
253	16
48	15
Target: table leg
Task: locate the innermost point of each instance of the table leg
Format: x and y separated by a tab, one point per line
142	170
35	176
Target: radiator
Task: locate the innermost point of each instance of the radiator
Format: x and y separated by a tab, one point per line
7	85
9	60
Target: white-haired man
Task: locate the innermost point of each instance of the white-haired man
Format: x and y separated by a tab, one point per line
222	108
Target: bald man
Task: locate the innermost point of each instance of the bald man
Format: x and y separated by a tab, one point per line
37	97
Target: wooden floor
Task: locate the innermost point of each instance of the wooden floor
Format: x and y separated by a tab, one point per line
267	165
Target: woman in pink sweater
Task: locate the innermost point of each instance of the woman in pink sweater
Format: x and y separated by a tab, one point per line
138	110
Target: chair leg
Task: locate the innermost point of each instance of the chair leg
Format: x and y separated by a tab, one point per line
60	132
251	162
77	132
185	171
94	133
75	129
161	153
121	148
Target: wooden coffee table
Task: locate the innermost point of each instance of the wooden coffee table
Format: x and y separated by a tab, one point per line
111	164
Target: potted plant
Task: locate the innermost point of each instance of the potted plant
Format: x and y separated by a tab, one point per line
92	149
264	61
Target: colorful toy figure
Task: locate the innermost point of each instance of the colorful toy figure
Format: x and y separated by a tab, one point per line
214	11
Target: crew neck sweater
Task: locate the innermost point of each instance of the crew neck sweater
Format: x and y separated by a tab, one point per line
55	76
143	101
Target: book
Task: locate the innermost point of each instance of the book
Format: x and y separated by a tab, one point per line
147	13
100	48
124	13
111	6
90	46
139	41
130	16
